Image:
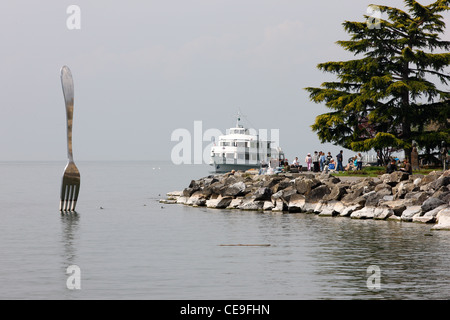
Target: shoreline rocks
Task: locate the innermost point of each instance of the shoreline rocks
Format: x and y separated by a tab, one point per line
396	196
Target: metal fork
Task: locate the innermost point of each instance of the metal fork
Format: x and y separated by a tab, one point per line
71	177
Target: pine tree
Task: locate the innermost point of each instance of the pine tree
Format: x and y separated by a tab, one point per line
390	96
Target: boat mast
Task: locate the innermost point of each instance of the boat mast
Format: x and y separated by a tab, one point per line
238	119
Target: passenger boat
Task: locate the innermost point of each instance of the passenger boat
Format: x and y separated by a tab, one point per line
243	149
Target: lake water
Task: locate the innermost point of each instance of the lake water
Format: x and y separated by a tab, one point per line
129	246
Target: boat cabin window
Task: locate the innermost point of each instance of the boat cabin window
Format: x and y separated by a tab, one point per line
238	131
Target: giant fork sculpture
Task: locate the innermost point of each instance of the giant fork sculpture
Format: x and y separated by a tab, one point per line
71	178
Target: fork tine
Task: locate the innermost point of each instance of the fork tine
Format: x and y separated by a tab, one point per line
69	198
75	197
72	198
63	197
66	192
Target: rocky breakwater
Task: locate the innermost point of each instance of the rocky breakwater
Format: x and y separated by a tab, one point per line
396	196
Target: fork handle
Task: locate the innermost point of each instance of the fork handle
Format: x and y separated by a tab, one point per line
67	87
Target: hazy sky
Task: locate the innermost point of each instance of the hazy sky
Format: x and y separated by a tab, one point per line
143	69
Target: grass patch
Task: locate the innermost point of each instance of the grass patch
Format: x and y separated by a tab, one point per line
376	171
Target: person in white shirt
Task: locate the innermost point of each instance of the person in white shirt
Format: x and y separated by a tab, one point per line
359	162
315	160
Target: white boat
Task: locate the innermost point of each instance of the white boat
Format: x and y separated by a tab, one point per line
242	149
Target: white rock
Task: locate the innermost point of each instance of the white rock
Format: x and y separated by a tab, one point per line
279	206
433	213
364	213
410	212
382	213
443	220
182	200
296	203
423	219
268	205
219	203
347	211
234	203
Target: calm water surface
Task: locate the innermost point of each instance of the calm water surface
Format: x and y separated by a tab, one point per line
129	246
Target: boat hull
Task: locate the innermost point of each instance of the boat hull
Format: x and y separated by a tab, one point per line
227	167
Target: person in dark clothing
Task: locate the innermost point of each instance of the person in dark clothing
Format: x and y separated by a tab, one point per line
339	158
407	167
391	167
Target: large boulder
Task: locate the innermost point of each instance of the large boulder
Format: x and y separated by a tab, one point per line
296	203
263	193
382	213
304	186
416	198
217	187
443	220
433	213
329	209
197	199
423	219
410	212
432	176
397	206
397	176
320	206
337	192
383	185
268	205
349	209
282	185
338	208
352	194
317	193
251	204
403	188
271	181
209	181
287	193
187	192
235	203
373	197
182	200
431	203
235	190
440	182
363	213
279	206
219	203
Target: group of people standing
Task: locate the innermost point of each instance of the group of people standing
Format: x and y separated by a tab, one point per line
318	161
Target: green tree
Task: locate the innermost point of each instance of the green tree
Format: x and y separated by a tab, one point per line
390	95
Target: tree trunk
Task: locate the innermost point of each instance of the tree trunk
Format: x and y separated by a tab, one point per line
406	124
